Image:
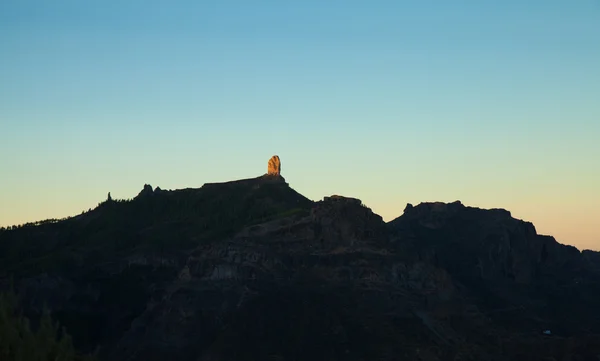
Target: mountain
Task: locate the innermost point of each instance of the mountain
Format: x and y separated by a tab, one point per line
253	270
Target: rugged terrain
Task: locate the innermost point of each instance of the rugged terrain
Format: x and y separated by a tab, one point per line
253	270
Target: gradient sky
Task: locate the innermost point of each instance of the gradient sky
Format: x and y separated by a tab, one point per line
494	103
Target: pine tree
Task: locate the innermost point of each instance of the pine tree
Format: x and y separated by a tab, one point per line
19	343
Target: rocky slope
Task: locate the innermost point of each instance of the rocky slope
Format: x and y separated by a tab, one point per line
252	270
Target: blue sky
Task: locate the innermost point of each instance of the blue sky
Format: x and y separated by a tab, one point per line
495	103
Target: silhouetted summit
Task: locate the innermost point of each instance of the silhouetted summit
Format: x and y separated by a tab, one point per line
252	270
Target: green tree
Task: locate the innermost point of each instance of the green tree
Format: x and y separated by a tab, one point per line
18	342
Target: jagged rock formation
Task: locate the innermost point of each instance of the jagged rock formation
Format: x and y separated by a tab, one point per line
346	221
146	191
251	269
505	264
274	166
491	243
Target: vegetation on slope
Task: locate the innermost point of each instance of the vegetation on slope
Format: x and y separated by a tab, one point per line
19	342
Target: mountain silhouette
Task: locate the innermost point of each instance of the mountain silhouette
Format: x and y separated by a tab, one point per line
253	270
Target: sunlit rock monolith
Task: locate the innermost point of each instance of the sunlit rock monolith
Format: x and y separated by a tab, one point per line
274	166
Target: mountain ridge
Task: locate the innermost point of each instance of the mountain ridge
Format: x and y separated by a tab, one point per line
229	270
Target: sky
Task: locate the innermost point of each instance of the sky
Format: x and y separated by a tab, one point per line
494	103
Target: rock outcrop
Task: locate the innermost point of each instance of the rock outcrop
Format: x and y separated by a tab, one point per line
509	268
146	191
490	244
346	222
274	166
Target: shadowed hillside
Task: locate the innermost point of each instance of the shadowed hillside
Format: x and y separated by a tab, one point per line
253	270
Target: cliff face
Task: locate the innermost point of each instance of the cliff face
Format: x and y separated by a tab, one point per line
322	285
505	264
490	243
251	269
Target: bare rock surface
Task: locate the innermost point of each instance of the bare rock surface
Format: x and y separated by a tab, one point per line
274	166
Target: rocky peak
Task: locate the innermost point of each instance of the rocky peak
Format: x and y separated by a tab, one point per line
479	243
274	166
435	214
338	203
434	207
335	199
346	220
432	214
146	191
